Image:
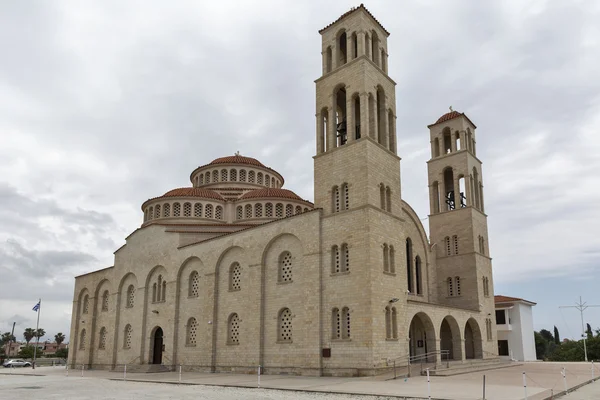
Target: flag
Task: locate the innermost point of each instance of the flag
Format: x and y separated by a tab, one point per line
36	307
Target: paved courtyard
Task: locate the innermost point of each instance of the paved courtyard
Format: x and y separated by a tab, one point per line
543	380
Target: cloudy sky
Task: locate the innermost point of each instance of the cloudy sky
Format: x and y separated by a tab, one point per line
106	104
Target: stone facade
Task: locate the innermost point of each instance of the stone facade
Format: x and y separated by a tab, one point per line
341	287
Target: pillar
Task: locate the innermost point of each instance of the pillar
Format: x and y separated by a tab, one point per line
350	129
360	36
383	123
331	124
324	58
364	114
320	133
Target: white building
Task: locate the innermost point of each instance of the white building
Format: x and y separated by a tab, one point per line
514	325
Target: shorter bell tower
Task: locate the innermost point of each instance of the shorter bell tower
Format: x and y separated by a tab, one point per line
457	221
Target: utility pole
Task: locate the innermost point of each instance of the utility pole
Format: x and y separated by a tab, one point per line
582	306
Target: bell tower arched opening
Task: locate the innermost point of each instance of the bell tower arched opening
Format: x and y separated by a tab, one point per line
340	115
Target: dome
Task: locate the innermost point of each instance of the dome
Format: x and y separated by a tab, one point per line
193	192
271	192
237	159
448	116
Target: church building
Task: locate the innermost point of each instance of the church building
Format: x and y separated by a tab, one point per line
235	271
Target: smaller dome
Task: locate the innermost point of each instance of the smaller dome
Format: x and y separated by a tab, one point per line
237	159
271	192
448	116
193	192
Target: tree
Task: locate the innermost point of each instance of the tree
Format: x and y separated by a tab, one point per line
589	332
27	352
556	335
29	334
40	333
59	338
541	346
547	335
62	353
7	337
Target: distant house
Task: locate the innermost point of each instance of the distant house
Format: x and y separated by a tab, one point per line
514	325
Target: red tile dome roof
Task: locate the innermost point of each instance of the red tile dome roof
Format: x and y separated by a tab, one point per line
193	192
237	159
271	192
448	116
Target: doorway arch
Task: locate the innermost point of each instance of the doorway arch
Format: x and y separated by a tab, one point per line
473	343
157	346
450	338
421	336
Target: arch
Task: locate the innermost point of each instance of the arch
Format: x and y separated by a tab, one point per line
435	197
207	179
450	338
176	209
391	131
258	211
418	275
345	253
251	175
130	299
473	340
346	196
157	211
198	210
187	209
436	147
167	210
156	349
259	178
215	176
200	179
208	211
279	210
354	41
386	263
267	180
102	339
341	48
127	336
235	277
457	285
382	196
335	260
382	133
367	45
191	332
456	141
151	213
323	130
447	138
340	115
357	112
105	300
233	329
371	104
269	210
193	284
86	304
336	324
391	323
388	199
449	188
409	265
475	188
242	175
219	212
346	331
284	326
298	210
233	175
285	267
328	59
462	190
375	48
335	199
82	339
248	211
224	175
392	260
156	275
422	336
289	210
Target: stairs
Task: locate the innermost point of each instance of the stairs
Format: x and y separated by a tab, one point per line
149	368
458	367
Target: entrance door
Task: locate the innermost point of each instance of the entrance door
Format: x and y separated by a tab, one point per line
158	346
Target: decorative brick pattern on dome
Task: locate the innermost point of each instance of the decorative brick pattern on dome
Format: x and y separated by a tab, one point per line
237	159
193	192
271	193
451	115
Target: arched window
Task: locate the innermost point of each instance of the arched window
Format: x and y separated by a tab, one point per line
455	242
450	287
447	135
194	284
198	210
388	199
328	59
285	326
418	275
457	285
346	196
269	210
243	175
335	200
207	179
345	323
279	210
218	212
382	196
154	292
159	286
105	297
163	292
145	215
273	182
223	175
128	333
409	266
285	267
248	210
267	180
375	47
102	339
289	210
345	258
82	339
435	194
157	211
187	210
448	248
354	41
86	304
449	193
386	262
436	147
239	214
167	210
130	296
233	329
215	176
176	209
392	260
388	322
251	176
201	179
342	52
208	211
298	210
258	210
259	178
233	175
394	323
151	213
235	277
335	260
192	329
336	324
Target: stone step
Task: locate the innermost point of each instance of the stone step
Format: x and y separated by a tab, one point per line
458	369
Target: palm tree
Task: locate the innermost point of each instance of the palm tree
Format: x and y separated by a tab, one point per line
29	334
40	333
59	338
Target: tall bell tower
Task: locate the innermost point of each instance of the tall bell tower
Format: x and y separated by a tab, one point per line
457	221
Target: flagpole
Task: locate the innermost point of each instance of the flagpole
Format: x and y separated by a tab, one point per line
37	326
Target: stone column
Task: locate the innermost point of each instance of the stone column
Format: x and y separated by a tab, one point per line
481	195
349	47
331	125
350	129
360	36
456	184
383	123
364	114
320	132
438	355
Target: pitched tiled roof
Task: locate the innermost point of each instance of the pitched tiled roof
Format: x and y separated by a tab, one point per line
189	192
236	159
271	192
352	10
451	115
507	299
